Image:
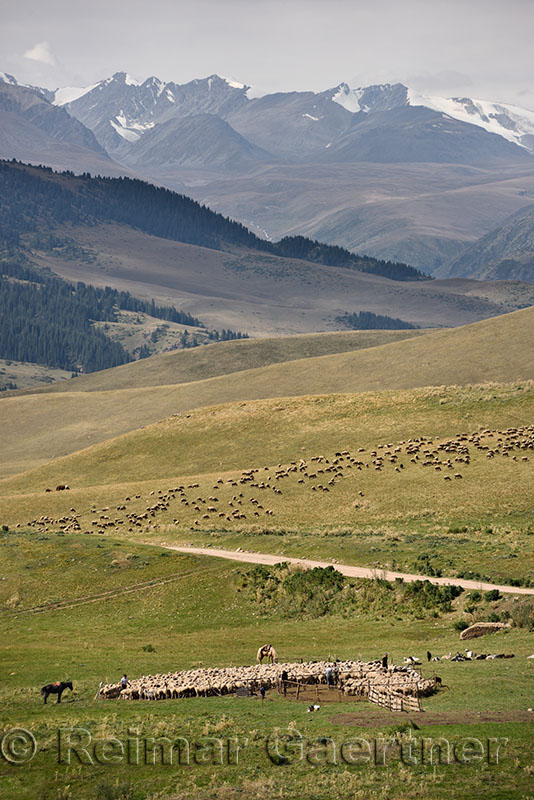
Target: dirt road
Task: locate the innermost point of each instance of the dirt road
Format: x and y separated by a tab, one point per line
345	569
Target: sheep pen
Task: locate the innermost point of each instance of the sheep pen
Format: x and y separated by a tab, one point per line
386	686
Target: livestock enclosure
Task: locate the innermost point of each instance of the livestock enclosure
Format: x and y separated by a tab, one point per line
395	687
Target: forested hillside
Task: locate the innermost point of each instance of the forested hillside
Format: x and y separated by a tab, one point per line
334	256
46	320
34	197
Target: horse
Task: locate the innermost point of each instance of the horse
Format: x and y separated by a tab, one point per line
56	688
267	651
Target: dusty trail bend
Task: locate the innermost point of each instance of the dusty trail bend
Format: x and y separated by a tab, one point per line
345	569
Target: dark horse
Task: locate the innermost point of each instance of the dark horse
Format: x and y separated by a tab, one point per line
56	688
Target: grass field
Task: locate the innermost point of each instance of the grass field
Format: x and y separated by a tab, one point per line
206	619
27	376
39	427
224	358
387	473
404	514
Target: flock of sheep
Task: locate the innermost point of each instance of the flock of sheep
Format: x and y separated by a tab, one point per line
352	678
246	497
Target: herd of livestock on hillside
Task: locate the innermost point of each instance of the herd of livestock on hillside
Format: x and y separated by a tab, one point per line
443	457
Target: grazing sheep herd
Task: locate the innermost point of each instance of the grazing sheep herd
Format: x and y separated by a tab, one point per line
233	500
353	678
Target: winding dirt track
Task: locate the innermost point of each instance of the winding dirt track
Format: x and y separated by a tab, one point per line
345	569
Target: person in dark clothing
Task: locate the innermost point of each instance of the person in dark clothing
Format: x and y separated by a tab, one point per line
385	661
284	682
262	691
124	681
428	655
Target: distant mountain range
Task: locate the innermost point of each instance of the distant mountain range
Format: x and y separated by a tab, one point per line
121	111
379	169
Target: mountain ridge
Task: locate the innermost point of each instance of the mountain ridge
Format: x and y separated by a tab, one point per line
378	169
505	252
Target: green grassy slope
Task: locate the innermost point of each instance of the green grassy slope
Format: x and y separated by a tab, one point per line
388	516
265	432
41	427
204	618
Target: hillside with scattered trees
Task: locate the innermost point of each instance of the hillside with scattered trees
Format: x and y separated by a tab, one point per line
34	197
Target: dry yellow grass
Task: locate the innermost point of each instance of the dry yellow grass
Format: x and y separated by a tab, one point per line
41	427
223	358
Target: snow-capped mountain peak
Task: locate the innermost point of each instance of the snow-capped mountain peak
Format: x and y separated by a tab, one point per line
377	97
120	109
233	83
347	98
511	122
6	78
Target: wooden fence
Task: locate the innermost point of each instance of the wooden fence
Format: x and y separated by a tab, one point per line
320	692
394	701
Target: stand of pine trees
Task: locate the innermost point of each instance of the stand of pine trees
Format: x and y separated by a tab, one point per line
46	320
367	321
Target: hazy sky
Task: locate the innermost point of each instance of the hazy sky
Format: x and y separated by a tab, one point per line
480	48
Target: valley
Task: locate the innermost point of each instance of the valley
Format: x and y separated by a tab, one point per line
265	295
207	456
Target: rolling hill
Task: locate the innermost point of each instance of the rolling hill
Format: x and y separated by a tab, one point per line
426	479
223	358
40	427
263	294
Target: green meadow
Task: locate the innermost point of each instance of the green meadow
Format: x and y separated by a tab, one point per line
203	615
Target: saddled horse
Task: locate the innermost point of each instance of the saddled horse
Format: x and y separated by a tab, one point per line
267	651
56	688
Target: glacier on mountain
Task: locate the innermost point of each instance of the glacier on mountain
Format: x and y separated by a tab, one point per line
508	121
69	93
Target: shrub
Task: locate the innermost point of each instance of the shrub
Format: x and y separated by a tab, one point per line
475	597
522	615
322	591
492	595
493	617
148	648
461	624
